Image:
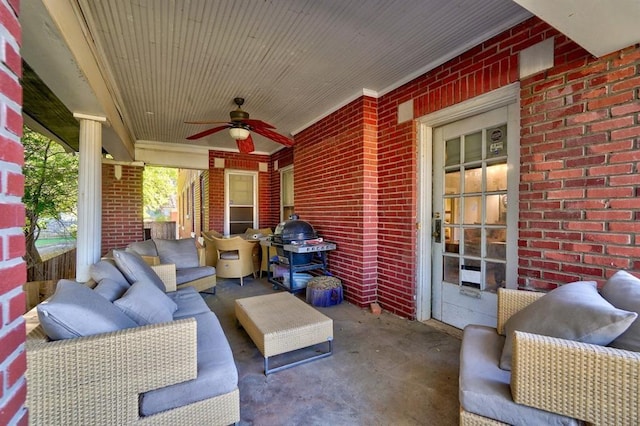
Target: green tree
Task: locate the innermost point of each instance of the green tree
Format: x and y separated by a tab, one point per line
159	191
50	189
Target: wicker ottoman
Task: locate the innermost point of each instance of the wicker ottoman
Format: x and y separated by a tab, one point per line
280	322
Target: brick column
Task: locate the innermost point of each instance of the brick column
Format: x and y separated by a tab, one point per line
12	218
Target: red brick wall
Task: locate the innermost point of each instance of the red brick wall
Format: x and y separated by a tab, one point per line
122	214
238	161
579	181
579	168
336	190
13	273
486	67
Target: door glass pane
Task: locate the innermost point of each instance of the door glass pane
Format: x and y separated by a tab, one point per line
452	152
496	247
451	244
450	269
496	213
473	242
473	180
240	190
472	210
452	210
497	177
471	273
473	147
241	214
452	182
495	276
497	141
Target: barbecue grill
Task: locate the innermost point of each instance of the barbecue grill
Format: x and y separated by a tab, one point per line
299	250
294	232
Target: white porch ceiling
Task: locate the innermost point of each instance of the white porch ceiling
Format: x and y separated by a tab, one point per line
163	62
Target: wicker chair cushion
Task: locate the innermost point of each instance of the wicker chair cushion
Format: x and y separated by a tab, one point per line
573	311
146	304
107	269
622	290
134	268
182	253
189	274
485	388
110	289
217	372
75	310
230	255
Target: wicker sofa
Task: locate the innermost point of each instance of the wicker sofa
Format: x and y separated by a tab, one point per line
190	260
180	371
553	380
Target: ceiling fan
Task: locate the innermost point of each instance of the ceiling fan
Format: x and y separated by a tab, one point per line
240	127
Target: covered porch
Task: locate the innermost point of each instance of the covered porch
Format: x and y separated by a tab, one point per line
362	93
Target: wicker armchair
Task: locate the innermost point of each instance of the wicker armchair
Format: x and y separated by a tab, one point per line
235	257
211	253
596	384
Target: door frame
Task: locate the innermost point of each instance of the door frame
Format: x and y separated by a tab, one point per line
503	96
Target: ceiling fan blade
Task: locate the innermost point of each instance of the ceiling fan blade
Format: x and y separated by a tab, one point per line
258	123
206	122
207	132
245	146
276	137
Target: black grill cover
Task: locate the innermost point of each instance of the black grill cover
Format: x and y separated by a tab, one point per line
293	230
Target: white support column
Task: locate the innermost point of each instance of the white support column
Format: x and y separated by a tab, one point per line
89	195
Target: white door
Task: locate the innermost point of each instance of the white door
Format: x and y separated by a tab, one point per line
241	201
474	226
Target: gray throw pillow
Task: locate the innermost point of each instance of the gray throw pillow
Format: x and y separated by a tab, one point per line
135	268
182	253
110	289
143	248
75	310
622	290
146	304
573	311
106	269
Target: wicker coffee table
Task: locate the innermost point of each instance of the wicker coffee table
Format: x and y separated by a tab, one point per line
280	322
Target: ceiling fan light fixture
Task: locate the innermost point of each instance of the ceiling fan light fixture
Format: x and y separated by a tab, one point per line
239	133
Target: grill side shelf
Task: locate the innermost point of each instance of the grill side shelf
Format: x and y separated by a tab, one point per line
319	263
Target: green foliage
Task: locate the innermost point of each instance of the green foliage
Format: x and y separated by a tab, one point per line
50	187
159	191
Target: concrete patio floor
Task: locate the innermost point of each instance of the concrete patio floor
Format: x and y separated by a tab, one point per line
385	370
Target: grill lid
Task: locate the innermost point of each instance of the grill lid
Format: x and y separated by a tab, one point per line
294	230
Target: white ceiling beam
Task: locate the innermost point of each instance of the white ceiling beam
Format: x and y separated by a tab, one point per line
600	27
70	23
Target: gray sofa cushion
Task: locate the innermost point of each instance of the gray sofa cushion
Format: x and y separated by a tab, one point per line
75	310
573	311
217	373
485	389
106	269
146	304
143	248
622	290
189	303
182	253
190	274
110	289
135	268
